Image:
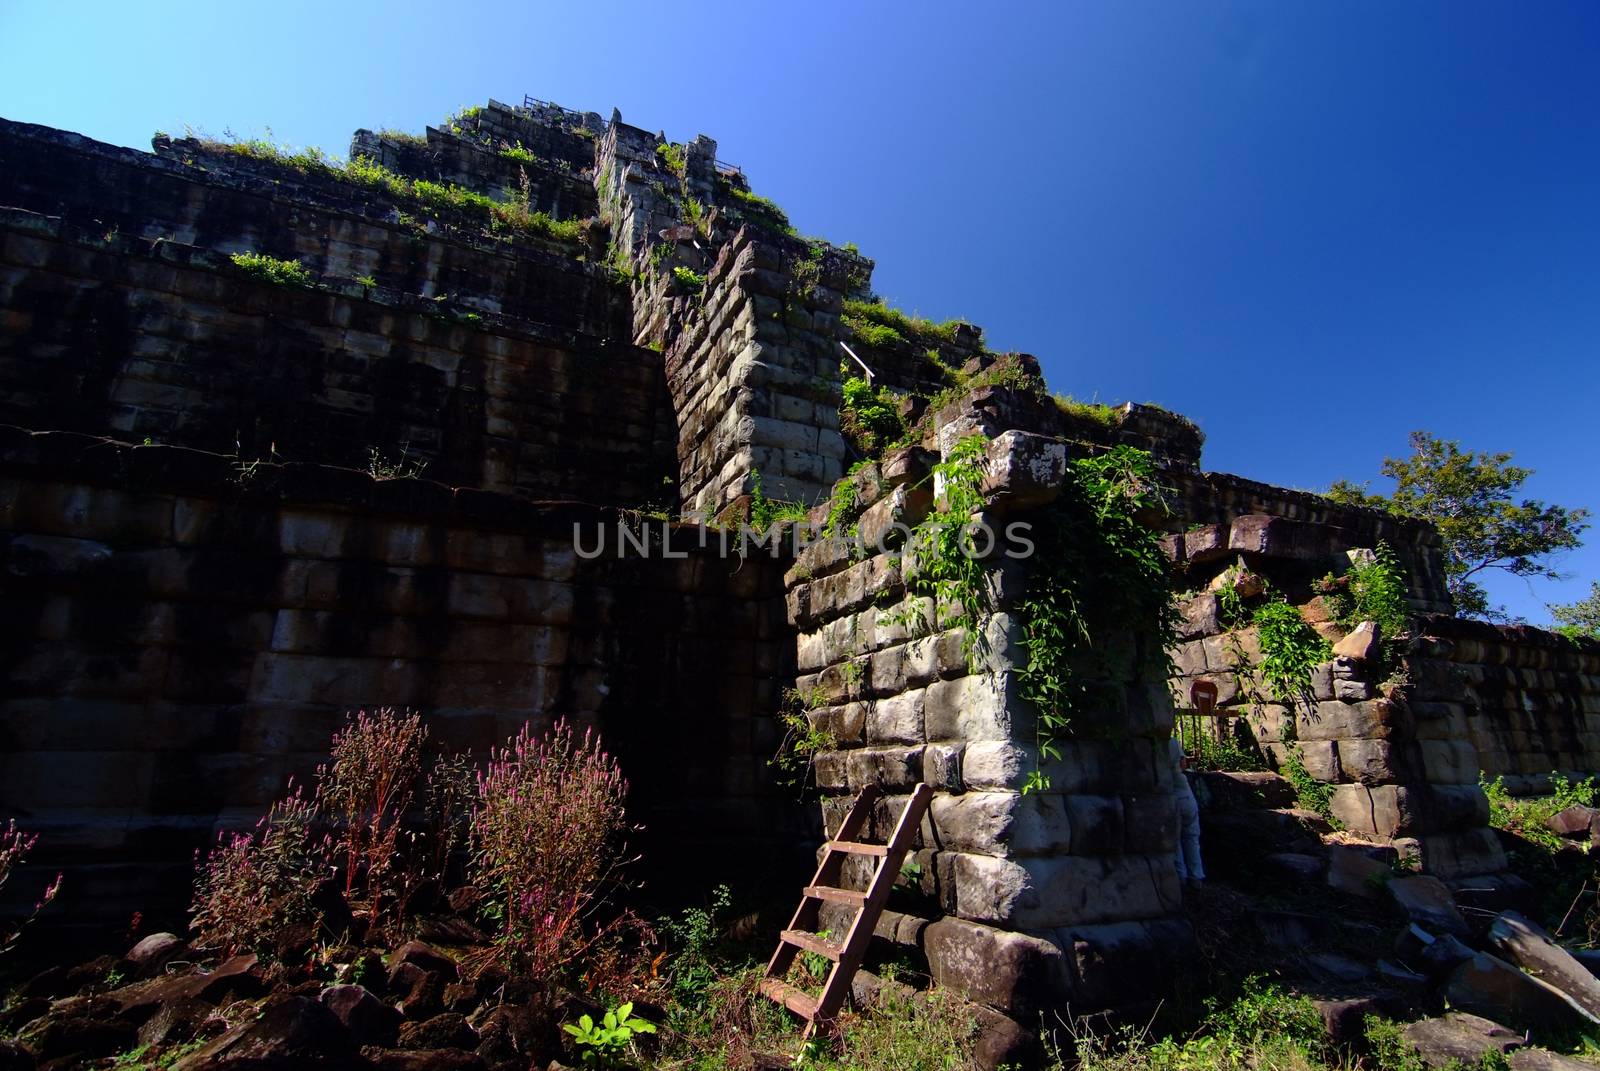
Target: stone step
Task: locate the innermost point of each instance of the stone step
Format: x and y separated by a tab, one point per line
1241	790
1239	841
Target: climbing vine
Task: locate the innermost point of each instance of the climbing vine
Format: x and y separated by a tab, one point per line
939	562
1290	650
1098	612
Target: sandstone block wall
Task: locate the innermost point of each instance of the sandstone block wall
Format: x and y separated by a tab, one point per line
752	358
180	639
1025	901
1522	702
485	151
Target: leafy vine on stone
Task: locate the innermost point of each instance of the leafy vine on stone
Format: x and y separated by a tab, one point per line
1098	614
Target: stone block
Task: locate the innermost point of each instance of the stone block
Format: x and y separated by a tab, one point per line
941	767
1013	972
1449	762
1205	543
1024	470
1278	537
1375	719
888	768
1201	616
1321	760
1374	762
971	708
1001	823
1121	963
1072	890
1096	823
896	719
1464	854
1150	824
994	764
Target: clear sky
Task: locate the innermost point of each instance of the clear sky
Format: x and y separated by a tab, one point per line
1310	227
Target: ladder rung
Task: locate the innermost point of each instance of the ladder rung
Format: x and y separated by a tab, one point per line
811	942
795	999
857	848
838	896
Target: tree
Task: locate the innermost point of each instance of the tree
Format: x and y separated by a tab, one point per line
1581	618
1469	498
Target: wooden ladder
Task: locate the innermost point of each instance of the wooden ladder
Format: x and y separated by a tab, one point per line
847	955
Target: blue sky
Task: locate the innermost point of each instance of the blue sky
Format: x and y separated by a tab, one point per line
1312	228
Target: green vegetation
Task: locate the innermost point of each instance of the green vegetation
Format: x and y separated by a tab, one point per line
757	210
876	324
1107	416
691	281
404	137
272	270
869	416
1263	1029
1098	614
1525	816
1373	590
608	1042
519	153
1206	752
1581	618
843	500
1310	793
695	213
766	512
1470	498
1290	650
802	739
673	158
513	215
939	563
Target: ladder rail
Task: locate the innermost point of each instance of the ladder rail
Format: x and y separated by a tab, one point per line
868	907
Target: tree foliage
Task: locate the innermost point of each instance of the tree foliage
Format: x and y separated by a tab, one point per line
1581	618
1471	499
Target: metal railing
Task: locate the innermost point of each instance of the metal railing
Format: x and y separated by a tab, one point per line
546	107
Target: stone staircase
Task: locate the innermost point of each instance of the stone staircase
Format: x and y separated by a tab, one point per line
1252	820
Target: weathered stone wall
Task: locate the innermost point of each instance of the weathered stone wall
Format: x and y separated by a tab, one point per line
116	334
1024	901
1403	772
1526	701
179	640
752	358
486	152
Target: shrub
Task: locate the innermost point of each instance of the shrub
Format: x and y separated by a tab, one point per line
548	832
673	158
1374	590
519	152
365	791
1525	816
691	281
447	804
14	848
765	512
251	885
869	416
272	270
1290	649
693	934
